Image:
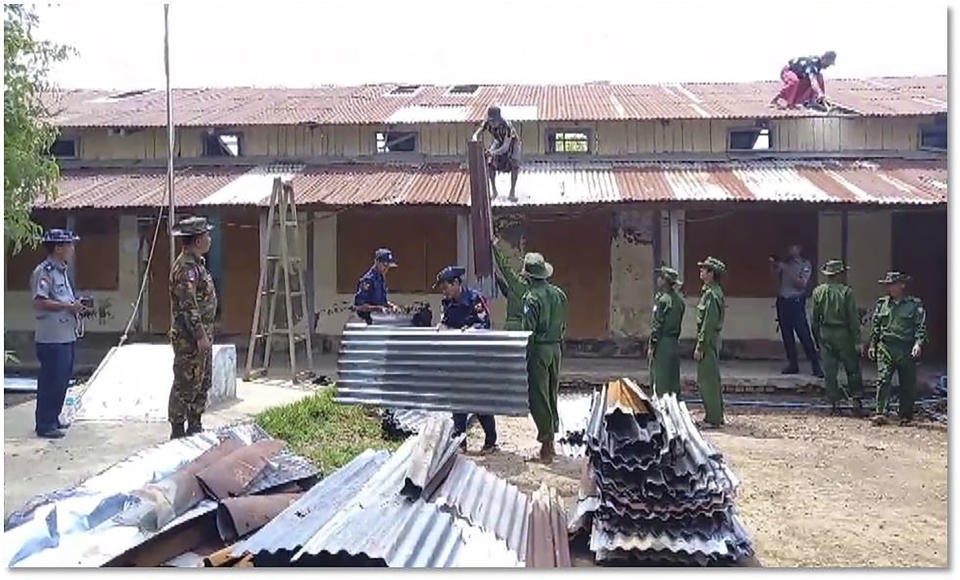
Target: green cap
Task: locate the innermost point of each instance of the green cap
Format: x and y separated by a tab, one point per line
894	278
713	264
833	267
668	274
192	226
536	267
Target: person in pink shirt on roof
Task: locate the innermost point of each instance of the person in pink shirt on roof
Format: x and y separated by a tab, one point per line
803	82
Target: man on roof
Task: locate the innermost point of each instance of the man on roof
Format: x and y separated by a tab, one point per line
803	82
504	154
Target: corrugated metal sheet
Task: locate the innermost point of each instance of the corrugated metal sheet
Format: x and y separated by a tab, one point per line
655	488
83	526
279	540
585	102
478	371
541	183
487	501
362	184
402	534
432	458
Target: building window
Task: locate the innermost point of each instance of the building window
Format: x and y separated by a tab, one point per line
934	137
396	141
64	148
568	142
216	144
405	90
749	140
463	89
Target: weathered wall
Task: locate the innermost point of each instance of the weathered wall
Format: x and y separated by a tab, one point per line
113	307
631	268
695	136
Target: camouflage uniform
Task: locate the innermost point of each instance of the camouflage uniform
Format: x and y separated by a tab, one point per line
836	328
668	309
898	325
710	312
194	302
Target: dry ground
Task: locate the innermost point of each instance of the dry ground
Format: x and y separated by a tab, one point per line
816	491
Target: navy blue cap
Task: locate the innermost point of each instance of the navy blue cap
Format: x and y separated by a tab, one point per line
385	256
58	236
449	274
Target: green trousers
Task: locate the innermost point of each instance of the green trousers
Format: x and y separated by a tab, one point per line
708	379
838	349
543	384
665	367
895	357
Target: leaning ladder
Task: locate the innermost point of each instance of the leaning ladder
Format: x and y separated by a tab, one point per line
280	274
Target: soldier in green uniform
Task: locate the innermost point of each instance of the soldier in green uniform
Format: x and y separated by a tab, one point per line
513	287
663	351
836	328
545	316
194	303
899	332
707	352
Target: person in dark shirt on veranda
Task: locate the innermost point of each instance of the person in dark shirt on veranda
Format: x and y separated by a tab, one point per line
803	82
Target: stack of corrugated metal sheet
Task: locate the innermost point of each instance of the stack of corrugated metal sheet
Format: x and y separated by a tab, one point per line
654	490
473	371
423	506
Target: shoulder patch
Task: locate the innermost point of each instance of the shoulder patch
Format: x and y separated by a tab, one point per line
192	274
48	267
43	283
366	285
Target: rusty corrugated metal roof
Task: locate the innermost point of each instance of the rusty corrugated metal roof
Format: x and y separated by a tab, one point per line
541	183
368	104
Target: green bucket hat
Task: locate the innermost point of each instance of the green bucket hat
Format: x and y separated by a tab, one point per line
192	226
833	267
536	267
894	278
713	264
668	274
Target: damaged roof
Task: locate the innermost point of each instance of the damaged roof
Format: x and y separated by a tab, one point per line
385	104
541	183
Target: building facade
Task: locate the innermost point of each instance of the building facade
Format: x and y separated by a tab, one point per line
616	179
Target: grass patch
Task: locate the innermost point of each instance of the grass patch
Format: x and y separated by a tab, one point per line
329	433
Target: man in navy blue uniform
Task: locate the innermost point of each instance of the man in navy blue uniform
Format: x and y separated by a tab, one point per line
465	308
371	293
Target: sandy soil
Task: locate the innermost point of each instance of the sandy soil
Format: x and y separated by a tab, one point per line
816	491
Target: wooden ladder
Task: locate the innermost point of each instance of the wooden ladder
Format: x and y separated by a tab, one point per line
280	274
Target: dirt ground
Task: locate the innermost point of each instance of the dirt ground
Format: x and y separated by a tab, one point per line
816	491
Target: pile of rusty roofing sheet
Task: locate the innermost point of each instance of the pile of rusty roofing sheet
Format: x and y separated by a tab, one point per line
425	505
193	494
473	371
654	490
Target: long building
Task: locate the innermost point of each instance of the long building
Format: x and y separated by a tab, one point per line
616	179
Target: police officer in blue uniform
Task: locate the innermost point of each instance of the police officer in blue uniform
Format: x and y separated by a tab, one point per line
465	308
371	293
56	310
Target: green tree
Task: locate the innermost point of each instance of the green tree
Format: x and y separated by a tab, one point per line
29	171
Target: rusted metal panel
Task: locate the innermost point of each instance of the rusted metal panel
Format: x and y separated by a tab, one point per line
229	476
383	184
547	545
373	104
481	220
238	516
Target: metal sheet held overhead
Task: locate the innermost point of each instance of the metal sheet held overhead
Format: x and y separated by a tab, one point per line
475	371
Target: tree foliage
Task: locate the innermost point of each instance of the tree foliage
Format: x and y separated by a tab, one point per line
29	171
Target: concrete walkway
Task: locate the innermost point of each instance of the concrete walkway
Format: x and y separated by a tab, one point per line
33	466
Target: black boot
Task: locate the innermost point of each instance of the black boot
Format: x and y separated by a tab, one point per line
176	430
194	426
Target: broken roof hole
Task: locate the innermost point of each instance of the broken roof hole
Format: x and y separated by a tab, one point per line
405	90
463	89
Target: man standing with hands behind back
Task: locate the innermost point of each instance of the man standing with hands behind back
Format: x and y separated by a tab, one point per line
793	277
194	302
